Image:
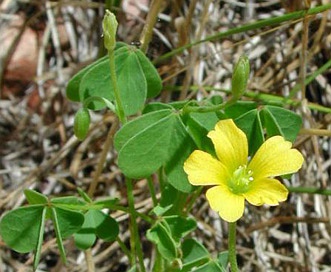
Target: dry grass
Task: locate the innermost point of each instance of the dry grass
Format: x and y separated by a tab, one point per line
37	149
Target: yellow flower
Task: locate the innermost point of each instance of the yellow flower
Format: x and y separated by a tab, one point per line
234	178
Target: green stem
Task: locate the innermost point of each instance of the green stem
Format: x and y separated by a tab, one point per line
309	190
212	108
103	100
159	262
152	190
193	199
263	97
136	248
124	249
118	101
232	247
309	79
127	210
179	203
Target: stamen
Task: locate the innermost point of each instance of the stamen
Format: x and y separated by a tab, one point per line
241	179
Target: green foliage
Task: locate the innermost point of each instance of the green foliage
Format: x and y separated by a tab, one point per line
161	236
22	229
153	140
165	137
199	124
137	79
167	234
280	121
34	197
270	119
96	224
19	228
195	257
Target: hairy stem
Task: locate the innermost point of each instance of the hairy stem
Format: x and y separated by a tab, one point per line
310	190
232	247
118	101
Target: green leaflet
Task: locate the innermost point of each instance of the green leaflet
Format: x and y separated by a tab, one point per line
137	79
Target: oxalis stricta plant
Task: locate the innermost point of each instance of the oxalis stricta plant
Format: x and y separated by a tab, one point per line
248	145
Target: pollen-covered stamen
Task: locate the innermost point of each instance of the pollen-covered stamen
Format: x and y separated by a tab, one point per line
240	180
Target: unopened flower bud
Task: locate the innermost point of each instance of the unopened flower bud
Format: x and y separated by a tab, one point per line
82	123
109	25
240	77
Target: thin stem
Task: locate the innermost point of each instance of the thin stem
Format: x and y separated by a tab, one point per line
265	98
124	249
146	35
158	263
178	203
310	78
136	248
232	247
212	108
193	199
152	190
118	101
127	210
310	190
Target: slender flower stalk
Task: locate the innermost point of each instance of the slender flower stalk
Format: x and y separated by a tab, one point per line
109	25
232	247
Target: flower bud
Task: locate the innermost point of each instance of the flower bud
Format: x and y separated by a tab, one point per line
240	77
109	25
82	123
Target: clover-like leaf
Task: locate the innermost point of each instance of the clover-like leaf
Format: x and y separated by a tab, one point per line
19	228
96	224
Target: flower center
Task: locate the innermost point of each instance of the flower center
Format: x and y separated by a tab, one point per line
240	180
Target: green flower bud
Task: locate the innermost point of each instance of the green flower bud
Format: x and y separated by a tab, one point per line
109	25
240	77
82	123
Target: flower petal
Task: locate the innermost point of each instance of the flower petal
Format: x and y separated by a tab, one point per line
229	206
266	191
230	144
204	169
275	157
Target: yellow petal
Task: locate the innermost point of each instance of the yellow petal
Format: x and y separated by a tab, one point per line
275	158
203	169
230	144
266	191
229	206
